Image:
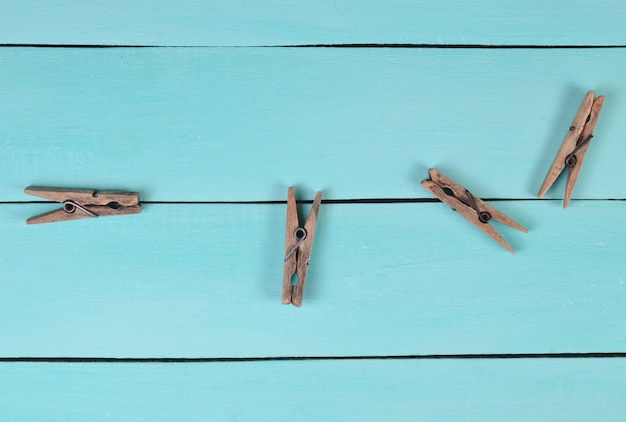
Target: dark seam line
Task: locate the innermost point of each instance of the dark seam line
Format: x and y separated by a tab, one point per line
609	355
364	45
329	201
452	46
368	201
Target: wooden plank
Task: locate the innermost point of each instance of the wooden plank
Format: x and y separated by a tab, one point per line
387	279
244	22
372	390
239	124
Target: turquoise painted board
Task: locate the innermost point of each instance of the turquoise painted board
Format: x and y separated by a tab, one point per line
194	280
238	124
370	390
278	22
203	130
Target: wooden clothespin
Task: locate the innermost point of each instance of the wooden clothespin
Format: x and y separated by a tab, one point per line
84	203
474	209
298	247
574	148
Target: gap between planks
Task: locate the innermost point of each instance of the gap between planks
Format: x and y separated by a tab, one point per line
328	201
591	355
365	45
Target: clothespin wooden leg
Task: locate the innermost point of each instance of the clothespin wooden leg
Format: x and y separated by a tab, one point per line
306	249
587	134
290	243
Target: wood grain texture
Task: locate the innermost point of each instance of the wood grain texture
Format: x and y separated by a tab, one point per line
239	124
385	279
298	248
574	148
76	204
475	210
371	390
279	22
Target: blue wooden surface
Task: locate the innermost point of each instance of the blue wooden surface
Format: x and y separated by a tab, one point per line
238	124
185	280
385	279
371	390
280	22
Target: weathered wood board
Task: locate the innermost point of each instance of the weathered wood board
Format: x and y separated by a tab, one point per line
216	118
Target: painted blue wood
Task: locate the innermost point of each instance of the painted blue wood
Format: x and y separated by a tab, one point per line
238	124
276	22
385	279
241	124
373	390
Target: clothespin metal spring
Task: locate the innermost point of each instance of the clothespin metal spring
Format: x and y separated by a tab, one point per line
483	216
571	160
300	234
70	207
